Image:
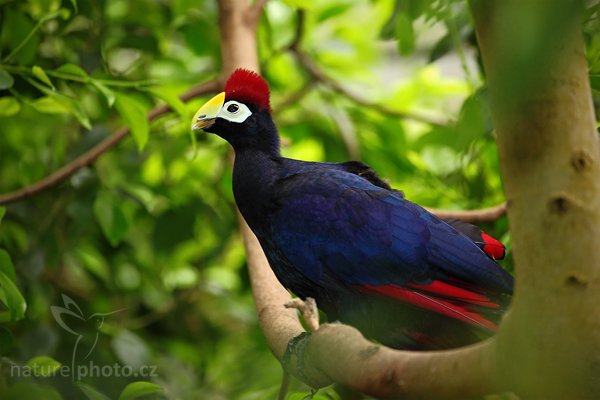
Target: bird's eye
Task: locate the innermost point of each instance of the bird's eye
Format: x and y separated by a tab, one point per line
233	111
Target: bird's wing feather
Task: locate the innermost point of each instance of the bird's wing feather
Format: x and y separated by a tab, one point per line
491	246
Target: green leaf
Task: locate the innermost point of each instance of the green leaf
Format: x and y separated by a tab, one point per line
6	265
305	5
7	341
110	217
74	4
438	136
333	11
72	69
12	298
6	80
440	160
595	81
61	104
2	212
441	48
90	392
9	106
29	389
52	105
94	262
108	94
43	365
39	73
474	121
134	115
405	34
138	389
312	395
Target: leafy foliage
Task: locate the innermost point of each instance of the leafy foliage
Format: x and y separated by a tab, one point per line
145	241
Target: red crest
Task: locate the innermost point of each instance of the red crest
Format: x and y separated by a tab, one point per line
248	87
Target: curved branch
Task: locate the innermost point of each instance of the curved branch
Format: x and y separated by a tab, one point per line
341	354
91	155
473	216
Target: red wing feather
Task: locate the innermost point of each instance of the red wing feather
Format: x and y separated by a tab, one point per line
446	306
494	248
446	290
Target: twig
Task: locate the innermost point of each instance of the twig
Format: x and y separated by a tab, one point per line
299	32
91	155
481	215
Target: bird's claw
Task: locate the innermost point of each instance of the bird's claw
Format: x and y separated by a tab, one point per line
308	309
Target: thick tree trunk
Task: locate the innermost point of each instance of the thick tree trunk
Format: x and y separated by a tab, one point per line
549	346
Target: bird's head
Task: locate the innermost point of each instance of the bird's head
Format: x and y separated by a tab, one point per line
241	114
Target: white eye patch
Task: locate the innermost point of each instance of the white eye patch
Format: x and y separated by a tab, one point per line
234	111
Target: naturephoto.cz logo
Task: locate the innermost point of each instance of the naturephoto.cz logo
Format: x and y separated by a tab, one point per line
86	331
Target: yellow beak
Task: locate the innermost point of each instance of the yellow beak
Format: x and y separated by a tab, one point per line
207	114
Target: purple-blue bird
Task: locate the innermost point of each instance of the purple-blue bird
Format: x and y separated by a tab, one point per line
340	234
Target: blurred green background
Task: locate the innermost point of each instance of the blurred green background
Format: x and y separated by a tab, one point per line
140	255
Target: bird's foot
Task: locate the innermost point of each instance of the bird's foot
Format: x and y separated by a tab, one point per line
309	311
293	358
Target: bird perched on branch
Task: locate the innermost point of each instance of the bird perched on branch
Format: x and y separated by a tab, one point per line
340	234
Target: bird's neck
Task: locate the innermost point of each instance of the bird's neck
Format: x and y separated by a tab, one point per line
254	173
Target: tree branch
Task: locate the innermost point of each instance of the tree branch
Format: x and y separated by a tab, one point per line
473	216
339	353
91	155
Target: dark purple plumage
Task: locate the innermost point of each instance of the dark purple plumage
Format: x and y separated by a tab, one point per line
370	258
